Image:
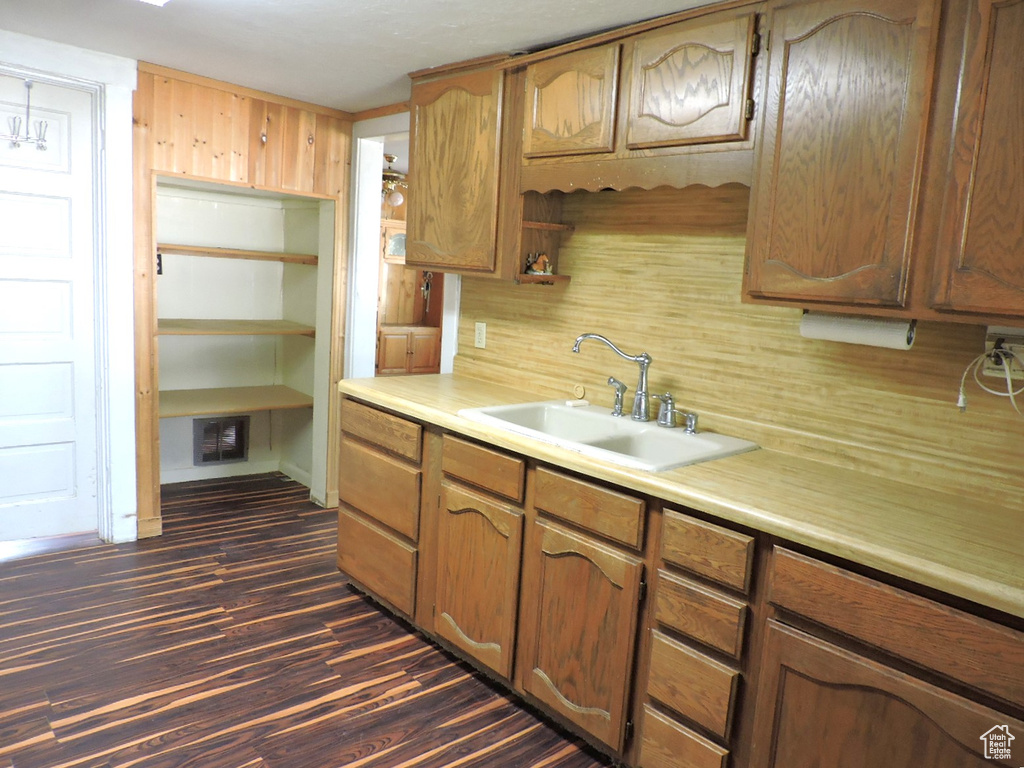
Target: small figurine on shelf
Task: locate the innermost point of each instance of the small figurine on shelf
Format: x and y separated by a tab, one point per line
539	264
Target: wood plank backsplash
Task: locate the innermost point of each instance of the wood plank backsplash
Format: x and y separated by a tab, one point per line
661	272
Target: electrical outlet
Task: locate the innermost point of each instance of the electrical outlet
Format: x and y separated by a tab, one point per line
1011	339
480	337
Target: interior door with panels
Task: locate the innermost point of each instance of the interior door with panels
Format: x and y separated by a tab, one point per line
691	82
48	417
838	165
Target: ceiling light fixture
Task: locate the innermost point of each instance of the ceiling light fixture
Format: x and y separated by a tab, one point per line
160	3
15	122
391	181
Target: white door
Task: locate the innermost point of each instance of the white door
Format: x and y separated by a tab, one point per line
48	451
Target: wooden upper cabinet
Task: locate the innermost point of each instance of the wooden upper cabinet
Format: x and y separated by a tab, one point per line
332	148
570	103
691	83
838	165
282	144
580	616
454	161
195	129
980	259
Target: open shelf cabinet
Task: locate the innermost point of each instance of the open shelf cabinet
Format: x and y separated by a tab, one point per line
243	325
541	232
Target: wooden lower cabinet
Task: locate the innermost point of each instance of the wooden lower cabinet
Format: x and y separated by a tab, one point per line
380	561
406	349
667	744
580	615
379	487
479	548
766	659
821	705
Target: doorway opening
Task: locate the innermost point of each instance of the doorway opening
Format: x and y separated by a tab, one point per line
401	320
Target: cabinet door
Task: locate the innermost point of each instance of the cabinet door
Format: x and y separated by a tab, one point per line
581	614
392	241
281	146
479	547
195	129
820	705
980	265
836	178
425	350
690	83
570	103
400	301
392	351
454	160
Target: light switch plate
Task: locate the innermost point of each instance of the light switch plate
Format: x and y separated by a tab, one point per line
480	336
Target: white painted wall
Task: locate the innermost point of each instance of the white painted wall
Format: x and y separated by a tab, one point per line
115	386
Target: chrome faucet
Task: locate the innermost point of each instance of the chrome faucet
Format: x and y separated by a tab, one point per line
641	406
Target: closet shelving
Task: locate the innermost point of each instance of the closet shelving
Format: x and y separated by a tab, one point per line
183	326
243	319
230	400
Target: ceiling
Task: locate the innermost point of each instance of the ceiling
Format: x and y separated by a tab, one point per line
347	54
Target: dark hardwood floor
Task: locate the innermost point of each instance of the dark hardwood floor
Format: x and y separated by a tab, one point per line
233	642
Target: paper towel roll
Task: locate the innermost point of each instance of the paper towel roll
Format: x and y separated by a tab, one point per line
854	329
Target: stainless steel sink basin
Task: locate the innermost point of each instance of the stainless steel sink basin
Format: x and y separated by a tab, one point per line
593	431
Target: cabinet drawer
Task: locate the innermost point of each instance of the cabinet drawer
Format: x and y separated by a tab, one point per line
485	468
609	513
382	487
701	613
382	563
692	684
708	550
967	648
400	437
665	743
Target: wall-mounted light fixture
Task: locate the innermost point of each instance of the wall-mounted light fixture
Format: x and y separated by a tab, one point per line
15	136
393	183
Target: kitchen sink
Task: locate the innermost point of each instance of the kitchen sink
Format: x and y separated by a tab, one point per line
592	431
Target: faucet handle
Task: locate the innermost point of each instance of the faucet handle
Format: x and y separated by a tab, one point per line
620	390
666	412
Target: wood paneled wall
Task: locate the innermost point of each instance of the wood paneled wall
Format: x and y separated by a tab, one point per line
661	272
209	130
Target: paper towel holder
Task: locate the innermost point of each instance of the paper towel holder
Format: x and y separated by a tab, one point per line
894	333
